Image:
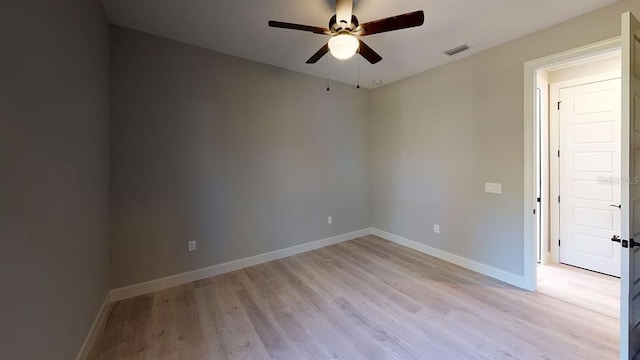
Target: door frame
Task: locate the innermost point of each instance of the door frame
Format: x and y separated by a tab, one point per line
544	208
531	166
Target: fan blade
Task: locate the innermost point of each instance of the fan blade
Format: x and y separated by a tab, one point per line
319	54
344	10
313	29
366	52
392	23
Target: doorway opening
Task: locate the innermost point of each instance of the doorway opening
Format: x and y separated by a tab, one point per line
537	148
578	156
574	162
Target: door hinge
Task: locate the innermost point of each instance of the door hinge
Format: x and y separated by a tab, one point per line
534	211
559	104
558	242
538	199
558	153
558	198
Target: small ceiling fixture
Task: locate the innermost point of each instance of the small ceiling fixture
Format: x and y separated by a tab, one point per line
346	31
343	46
377	82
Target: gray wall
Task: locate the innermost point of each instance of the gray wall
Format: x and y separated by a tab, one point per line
54	175
242	157
437	137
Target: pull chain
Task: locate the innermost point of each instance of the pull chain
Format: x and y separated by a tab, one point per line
328	73
358	81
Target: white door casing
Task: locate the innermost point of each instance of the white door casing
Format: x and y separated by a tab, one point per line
543	204
590	188
630	272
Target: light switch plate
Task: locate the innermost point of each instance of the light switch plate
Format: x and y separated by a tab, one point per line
493	188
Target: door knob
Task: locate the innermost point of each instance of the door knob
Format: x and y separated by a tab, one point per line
625	243
618	206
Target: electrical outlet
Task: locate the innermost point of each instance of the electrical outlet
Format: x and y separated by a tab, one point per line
436	228
330	220
192	245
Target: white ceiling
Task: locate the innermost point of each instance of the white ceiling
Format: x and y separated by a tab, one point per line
239	28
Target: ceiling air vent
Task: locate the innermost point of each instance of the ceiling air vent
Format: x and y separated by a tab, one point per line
457	49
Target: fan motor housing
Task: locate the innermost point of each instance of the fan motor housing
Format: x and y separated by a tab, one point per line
335	27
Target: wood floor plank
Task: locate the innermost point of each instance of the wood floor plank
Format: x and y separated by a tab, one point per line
309	312
190	341
274	339
362	299
210	319
391	321
437	335
239	338
136	330
281	313
163	343
353	336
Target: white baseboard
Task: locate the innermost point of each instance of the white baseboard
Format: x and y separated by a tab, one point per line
180	279
96	327
510	278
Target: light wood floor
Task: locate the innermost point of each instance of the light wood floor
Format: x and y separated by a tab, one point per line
587	289
362	299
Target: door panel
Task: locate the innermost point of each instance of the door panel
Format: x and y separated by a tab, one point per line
593	161
589	175
598	219
594	132
630	272
590	103
592	190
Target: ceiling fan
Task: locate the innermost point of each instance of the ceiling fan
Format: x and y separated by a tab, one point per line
345	32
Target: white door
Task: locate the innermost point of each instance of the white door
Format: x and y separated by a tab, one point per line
590	188
630	279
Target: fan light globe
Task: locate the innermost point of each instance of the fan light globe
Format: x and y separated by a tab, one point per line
343	46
